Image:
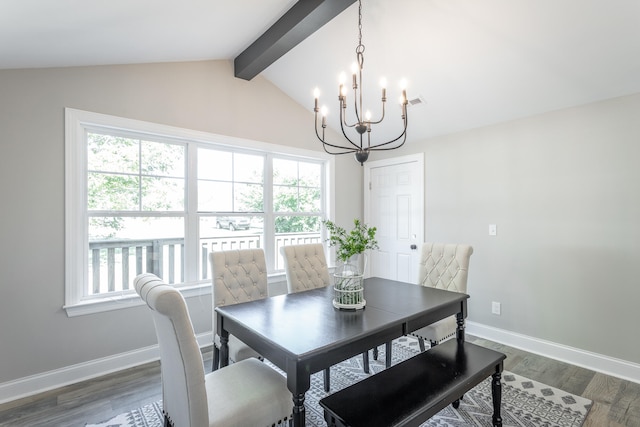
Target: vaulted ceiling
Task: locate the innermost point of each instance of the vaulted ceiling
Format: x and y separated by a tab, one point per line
471	62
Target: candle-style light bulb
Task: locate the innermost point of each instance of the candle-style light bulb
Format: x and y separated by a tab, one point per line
367	115
403	86
324	112
354	71
316	95
383	84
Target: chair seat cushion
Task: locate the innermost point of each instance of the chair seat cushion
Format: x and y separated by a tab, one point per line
246	393
439	331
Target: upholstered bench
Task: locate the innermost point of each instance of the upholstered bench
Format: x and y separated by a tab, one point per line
411	392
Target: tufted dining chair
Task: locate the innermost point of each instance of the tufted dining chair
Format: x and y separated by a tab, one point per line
246	393
238	276
306	268
442	266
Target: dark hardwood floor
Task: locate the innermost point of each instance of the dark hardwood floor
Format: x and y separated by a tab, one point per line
616	402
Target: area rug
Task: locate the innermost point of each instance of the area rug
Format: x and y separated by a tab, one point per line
525	403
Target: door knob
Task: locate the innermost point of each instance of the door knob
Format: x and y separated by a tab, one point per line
414	247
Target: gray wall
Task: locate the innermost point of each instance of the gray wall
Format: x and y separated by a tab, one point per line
36	335
564	191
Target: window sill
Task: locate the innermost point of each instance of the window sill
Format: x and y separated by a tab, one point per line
126	301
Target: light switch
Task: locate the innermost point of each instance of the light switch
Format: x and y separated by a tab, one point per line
493	230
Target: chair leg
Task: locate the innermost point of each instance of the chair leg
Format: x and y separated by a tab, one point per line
327	380
216	358
421	343
433	343
387	356
375	353
365	361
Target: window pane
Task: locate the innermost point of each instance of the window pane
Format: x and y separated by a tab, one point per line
297	224
285	199
310	174
249	198
216	165
248	168
112	192
227	233
162	159
112	153
215	196
285	172
309	199
121	248
162	194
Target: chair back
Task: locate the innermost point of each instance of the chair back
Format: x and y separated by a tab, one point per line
444	266
184	396
238	276
305	266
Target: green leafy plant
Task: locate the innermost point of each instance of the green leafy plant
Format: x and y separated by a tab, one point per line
358	240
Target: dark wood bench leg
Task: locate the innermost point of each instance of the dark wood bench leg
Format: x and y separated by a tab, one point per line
327	380
387	356
375	353
365	362
496	394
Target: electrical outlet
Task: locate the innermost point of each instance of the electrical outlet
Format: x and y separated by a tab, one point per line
496	308
493	230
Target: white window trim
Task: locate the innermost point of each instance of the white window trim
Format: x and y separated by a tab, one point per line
76	246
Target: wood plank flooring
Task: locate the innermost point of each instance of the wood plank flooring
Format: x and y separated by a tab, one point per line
616	402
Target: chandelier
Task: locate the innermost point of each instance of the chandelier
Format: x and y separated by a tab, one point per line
359	142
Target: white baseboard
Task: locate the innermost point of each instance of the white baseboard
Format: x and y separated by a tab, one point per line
596	362
28	386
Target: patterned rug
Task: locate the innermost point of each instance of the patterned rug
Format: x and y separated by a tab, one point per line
525	403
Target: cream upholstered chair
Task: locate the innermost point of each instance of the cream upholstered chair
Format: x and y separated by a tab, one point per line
306	268
238	276
442	266
246	393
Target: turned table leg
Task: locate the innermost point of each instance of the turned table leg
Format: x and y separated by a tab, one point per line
496	394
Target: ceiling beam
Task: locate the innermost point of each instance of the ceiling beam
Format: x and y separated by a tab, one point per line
298	23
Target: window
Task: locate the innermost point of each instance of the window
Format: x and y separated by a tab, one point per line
142	197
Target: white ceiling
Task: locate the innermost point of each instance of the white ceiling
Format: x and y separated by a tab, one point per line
473	62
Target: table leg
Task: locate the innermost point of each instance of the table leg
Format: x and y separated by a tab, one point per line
387	355
496	394
460	330
224	349
298	410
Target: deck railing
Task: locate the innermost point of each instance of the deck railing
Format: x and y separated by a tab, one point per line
115	263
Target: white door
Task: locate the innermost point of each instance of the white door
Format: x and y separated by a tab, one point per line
394	204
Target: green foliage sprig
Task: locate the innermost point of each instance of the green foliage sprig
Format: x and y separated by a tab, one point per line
358	240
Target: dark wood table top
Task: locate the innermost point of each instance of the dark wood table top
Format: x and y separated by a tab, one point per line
302	333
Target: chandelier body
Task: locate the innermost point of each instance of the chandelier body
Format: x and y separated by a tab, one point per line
359	142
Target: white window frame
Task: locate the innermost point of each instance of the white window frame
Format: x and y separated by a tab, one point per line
77	124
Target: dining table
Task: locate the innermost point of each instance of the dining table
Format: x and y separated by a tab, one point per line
303	333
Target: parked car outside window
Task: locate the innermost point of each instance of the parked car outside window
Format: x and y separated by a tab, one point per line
233	223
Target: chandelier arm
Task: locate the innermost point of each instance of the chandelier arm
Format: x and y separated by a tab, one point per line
346	151
403	134
381	118
343	120
349	139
